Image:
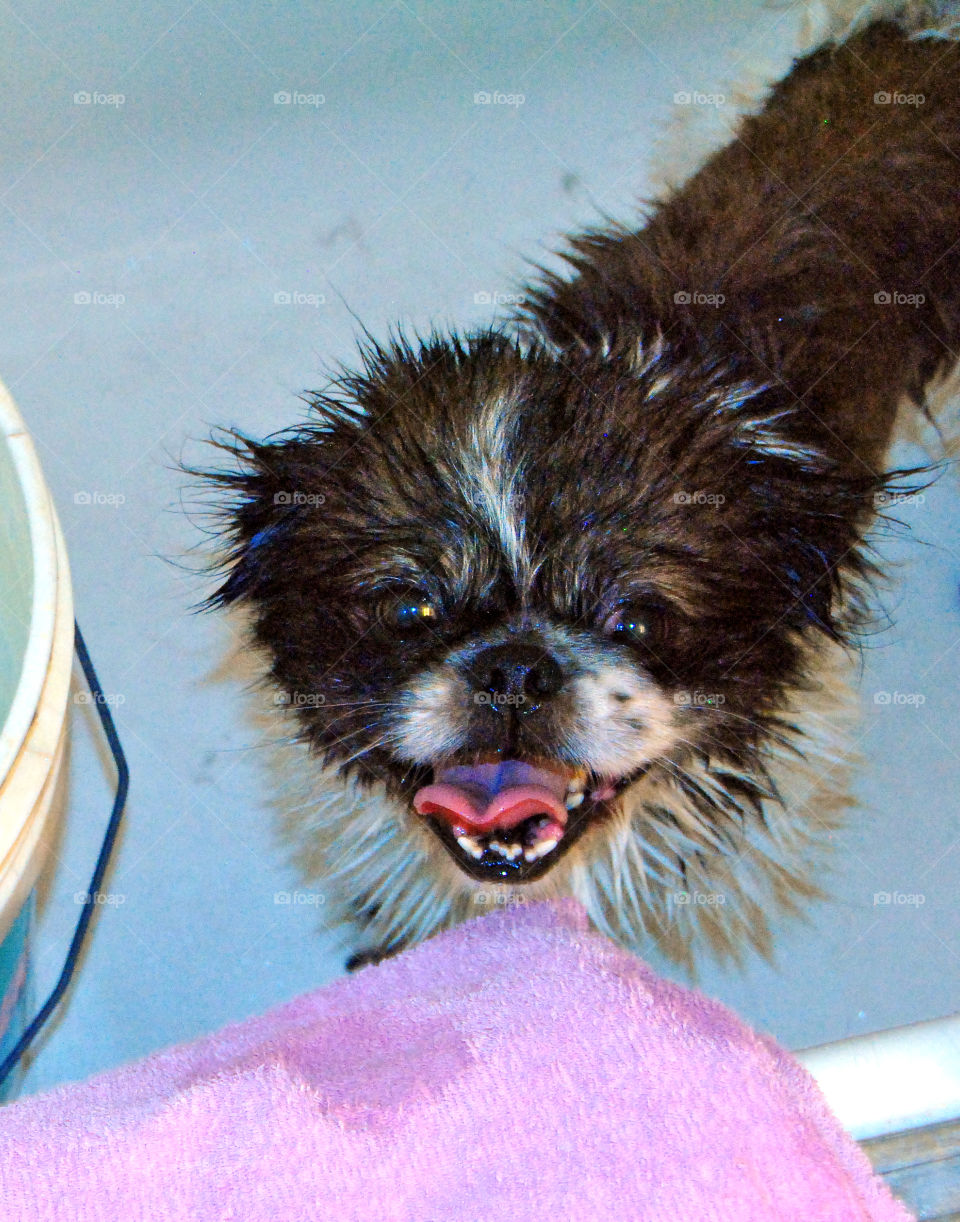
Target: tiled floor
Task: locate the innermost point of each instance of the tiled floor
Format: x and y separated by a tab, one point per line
384	189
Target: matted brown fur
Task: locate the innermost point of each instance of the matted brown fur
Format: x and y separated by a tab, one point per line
829	207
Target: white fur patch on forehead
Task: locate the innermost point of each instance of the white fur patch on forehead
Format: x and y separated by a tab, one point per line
491	474
624	720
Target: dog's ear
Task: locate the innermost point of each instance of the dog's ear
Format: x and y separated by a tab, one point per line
811	516
822	515
258	500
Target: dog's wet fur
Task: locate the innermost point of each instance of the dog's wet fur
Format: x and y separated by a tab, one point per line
626	536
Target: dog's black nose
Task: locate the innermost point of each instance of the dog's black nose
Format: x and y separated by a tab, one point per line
514	676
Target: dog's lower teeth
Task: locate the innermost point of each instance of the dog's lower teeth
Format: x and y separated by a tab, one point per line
539	850
510	851
470	845
533	850
574	799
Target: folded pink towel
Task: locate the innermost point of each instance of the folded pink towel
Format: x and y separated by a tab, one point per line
519	1067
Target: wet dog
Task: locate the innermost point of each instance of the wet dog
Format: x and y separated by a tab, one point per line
563	608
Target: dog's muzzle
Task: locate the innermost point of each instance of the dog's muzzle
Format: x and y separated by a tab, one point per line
503	817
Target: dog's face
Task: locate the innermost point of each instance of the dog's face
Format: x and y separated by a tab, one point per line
508	590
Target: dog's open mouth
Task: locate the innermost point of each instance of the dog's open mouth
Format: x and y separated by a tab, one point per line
511	820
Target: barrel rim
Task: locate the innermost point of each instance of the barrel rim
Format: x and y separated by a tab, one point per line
43	550
30	738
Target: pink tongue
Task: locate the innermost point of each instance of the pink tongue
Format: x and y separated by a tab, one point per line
493	797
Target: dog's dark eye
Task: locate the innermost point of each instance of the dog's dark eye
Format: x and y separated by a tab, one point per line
639	623
409	613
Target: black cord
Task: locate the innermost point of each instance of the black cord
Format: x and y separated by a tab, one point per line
89	903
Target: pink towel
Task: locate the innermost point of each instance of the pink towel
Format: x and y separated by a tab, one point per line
519	1067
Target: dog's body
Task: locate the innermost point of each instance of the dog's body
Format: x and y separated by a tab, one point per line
561	614
839	198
